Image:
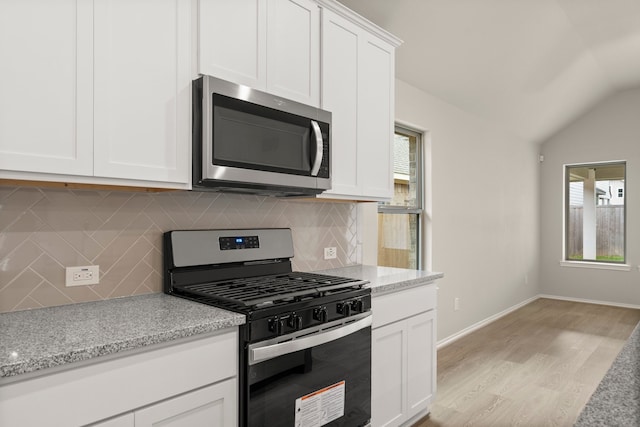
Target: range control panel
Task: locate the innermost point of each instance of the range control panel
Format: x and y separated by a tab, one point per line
302	318
239	242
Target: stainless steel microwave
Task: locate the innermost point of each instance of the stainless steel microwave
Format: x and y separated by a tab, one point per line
249	141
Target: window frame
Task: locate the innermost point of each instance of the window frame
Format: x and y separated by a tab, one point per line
418	208
591	263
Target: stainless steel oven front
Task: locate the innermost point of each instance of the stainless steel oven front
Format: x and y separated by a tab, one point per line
319	376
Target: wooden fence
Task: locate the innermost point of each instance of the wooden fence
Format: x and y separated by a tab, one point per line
609	231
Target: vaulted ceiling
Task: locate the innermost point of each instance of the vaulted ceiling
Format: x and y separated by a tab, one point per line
531	66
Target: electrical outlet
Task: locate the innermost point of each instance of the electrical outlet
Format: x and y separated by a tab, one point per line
456	304
330	253
83	275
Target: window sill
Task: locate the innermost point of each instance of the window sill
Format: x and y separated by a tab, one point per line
596	265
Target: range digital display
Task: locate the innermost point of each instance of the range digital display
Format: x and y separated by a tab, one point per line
239	242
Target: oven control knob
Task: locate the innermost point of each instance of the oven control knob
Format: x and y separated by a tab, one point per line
276	325
295	322
357	306
320	314
344	308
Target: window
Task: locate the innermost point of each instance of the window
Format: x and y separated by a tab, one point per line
594	218
399	220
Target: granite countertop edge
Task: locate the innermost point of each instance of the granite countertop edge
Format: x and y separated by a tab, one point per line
616	400
405	284
386	280
34	340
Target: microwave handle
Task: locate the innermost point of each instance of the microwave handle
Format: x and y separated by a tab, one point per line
319	148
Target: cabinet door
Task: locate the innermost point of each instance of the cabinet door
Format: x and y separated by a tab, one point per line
214	405
340	39
421	362
142	92
375	117
358	88
233	41
389	371
293	50
45	86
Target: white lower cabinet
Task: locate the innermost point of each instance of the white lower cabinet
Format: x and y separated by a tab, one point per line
389	370
210	406
192	382
421	363
403	360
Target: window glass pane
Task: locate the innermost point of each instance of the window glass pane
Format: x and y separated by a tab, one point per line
399	219
398	240
595	217
405	175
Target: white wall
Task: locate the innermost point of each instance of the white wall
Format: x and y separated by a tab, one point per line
610	131
485	217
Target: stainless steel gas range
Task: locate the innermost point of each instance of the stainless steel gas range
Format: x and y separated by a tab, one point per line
305	350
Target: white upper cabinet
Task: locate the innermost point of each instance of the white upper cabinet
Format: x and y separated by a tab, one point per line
293	50
96	92
270	45
233	41
340	96
376	118
142	82
45	86
358	88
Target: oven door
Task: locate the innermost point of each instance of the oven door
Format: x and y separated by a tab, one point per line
321	377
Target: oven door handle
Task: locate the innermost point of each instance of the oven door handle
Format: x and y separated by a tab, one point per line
261	353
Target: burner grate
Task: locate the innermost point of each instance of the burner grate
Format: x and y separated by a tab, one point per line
253	291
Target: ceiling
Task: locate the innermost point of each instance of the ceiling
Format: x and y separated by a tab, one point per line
531	66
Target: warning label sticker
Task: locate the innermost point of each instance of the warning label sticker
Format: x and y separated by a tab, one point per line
320	407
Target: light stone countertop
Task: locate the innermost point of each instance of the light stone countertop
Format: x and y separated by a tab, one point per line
37	339
383	280
33	340
616	401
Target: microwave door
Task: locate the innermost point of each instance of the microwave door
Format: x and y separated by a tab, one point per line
250	142
259	141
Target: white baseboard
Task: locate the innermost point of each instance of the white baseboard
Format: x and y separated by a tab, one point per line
466	331
589	301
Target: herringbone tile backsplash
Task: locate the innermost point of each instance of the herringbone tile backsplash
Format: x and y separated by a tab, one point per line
42	231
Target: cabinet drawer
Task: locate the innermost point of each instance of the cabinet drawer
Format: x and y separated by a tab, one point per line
399	305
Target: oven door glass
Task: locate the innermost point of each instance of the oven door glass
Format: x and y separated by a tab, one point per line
328	384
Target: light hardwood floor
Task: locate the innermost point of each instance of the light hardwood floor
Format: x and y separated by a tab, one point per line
537	366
